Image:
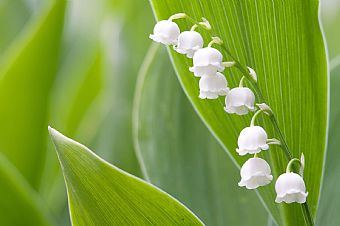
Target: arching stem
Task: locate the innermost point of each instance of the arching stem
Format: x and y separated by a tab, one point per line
241	82
290	164
194	27
252	123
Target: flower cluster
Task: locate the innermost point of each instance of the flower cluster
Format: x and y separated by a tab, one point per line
208	65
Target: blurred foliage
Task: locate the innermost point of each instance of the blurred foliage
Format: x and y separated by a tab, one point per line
20	204
27	72
330	200
80	77
11	25
330	18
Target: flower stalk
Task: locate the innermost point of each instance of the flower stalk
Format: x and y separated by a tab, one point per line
207	64
284	146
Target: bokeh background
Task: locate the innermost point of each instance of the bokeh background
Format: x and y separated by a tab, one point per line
79	68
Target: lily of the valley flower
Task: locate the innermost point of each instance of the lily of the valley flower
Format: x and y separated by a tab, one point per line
207	61
240	101
252	140
165	32
290	187
189	42
212	86
255	172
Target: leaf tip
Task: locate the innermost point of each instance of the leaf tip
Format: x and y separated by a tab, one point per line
58	139
54	133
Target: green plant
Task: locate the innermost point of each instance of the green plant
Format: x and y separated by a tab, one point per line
87	68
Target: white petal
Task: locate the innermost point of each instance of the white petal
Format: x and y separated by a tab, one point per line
213	86
165	32
290	187
207	56
252	140
200	71
240	110
299	197
240	97
255	172
188	43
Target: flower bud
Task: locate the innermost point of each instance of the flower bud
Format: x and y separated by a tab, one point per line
207	61
290	187
255	172
240	101
212	86
252	73
165	32
188	42
252	140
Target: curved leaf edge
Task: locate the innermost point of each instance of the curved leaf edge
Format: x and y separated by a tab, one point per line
57	137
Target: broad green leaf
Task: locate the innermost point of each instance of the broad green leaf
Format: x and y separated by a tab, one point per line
10	26
180	156
102	194
330	200
115	142
330	15
20	205
26	75
274	38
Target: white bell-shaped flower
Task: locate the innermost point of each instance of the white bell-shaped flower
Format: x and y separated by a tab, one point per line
290	187
255	172
189	42
212	86
166	32
207	61
252	140
240	101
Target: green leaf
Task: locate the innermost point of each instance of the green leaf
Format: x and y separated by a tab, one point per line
11	25
275	39
330	200
102	194
114	142
26	76
180	156
19	205
330	17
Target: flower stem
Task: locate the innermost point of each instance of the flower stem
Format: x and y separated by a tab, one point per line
306	212
284	146
290	164
241	82
194	27
252	122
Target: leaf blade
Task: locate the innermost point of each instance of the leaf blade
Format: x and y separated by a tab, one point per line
274	39
329	202
100	193
29	66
